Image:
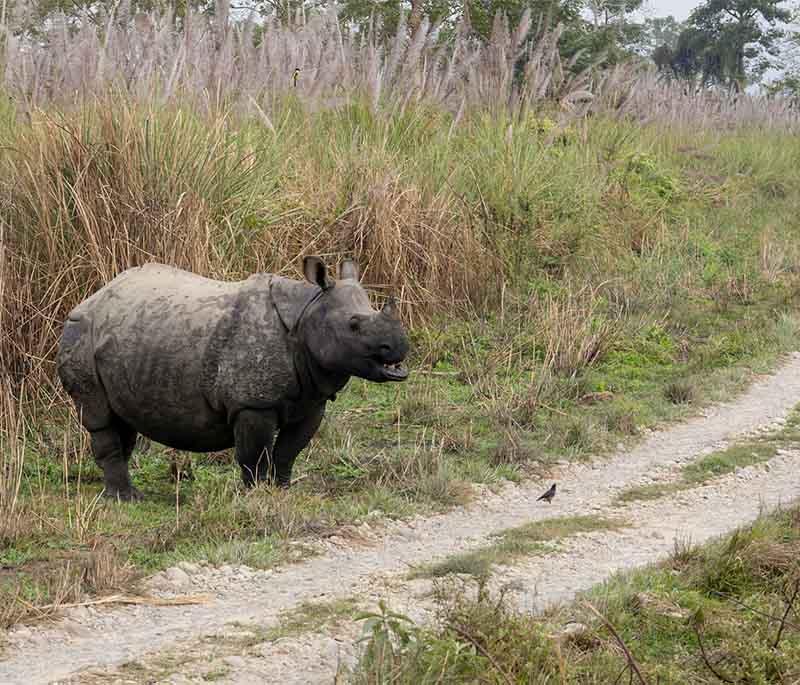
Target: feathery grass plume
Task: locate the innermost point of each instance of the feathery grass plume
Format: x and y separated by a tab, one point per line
207	60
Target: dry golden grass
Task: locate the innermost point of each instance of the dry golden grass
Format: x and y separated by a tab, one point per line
12	459
577	331
126	184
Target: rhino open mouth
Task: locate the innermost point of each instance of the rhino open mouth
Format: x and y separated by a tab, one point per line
391	369
395	372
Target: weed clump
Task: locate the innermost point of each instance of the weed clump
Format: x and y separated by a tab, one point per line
680	392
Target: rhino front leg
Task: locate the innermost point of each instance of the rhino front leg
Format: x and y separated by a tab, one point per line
291	440
254	433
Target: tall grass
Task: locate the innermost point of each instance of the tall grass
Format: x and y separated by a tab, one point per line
593	234
250	62
445	168
119	184
12	457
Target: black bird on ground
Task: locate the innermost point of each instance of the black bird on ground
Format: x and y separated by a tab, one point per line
548	496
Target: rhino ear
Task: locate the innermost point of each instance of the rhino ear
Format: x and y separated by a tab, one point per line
348	270
316	272
390	308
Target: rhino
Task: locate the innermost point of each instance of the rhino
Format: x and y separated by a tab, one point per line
203	365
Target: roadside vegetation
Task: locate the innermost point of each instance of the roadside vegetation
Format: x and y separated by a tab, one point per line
724	612
571	275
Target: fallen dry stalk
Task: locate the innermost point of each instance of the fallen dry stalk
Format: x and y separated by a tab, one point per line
130	599
790	602
707	660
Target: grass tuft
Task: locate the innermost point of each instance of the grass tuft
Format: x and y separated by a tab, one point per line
515	543
313	616
680	392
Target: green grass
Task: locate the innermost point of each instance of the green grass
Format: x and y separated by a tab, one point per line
651	491
730	595
727	461
216	674
639	283
311	616
719	463
513	544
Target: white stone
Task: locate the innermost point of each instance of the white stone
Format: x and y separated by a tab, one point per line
189	567
178	577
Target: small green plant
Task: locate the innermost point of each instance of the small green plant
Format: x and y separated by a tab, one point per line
728	460
642	173
312	616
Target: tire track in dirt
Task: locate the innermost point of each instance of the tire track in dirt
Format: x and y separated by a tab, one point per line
125	634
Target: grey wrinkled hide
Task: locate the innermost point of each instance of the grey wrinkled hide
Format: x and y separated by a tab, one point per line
203	365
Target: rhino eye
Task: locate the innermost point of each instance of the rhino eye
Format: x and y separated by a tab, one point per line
355	324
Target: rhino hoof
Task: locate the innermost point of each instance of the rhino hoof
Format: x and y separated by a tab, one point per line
129	494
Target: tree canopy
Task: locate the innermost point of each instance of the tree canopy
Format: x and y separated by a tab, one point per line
726	42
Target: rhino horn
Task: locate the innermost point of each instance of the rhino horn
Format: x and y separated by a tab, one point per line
348	270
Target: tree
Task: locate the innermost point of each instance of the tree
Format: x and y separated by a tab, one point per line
611	35
787	84
481	13
386	15
283	10
31	17
741	38
694	58
477	15
726	42
657	33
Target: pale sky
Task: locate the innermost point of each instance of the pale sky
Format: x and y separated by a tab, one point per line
679	9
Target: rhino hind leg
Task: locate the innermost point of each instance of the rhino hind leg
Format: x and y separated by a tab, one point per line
254	434
112	439
78	373
112	447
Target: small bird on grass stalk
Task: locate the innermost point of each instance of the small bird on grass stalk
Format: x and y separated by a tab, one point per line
295	76
548	496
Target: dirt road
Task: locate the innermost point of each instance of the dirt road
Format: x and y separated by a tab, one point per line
184	644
